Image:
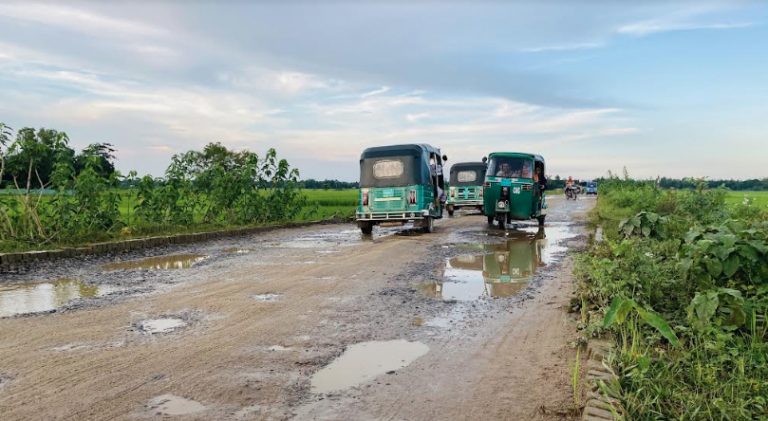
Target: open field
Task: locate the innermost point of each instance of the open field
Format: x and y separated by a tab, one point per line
757	198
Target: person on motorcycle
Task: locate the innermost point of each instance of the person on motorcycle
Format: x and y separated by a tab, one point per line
570	187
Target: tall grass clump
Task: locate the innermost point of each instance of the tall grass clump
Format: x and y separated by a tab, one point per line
681	282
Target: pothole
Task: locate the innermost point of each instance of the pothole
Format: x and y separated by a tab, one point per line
162	325
176	261
502	269
169	404
269	297
236	250
38	297
278	348
5	380
365	361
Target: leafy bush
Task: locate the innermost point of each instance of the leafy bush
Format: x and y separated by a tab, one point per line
215	187
682	282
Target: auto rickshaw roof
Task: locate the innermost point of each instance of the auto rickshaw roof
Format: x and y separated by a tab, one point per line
391	150
517	154
465	165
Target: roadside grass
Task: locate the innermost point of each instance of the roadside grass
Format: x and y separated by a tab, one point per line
321	205
681	282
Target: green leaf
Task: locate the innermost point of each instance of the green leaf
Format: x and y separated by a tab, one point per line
646	231
731	265
652	217
714	267
692	235
618	310
658	322
702	308
748	252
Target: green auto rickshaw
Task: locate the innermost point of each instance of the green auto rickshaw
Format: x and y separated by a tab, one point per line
466	186
513	189
401	183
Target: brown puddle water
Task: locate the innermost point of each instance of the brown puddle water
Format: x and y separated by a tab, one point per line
502	269
174	405
365	361
176	261
34	297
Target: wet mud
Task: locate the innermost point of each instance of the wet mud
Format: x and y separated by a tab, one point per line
289	324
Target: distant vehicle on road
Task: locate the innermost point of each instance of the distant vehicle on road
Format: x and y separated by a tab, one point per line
466	186
591	188
401	183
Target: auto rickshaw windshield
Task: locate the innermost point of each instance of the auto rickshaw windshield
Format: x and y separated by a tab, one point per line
510	167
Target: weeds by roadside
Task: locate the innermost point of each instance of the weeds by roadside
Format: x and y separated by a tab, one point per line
681	280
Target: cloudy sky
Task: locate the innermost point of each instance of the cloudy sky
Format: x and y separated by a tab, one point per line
664	89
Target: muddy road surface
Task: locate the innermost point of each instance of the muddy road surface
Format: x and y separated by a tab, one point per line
469	322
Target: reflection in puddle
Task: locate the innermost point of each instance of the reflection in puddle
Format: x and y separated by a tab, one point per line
365	361
174	405
46	296
166	325
503	269
177	261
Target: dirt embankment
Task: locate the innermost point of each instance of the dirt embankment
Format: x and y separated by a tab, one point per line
240	332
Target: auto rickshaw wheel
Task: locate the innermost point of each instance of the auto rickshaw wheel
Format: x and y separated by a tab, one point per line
429	224
502	221
450	210
490	220
541	219
366	228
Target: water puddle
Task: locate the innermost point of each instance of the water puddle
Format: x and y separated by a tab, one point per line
500	269
35	297
176	261
158	326
322	240
266	297
174	405
365	361
278	348
235	250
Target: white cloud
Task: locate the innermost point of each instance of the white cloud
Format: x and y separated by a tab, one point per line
381	90
416	117
279	82
663	25
77	20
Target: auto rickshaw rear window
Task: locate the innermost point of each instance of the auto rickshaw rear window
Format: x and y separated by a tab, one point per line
388	168
467	176
392	171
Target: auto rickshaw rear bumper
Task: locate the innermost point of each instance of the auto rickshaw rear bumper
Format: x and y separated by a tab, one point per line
466	203
391	216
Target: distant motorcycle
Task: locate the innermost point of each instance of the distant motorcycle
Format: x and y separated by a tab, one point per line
571	193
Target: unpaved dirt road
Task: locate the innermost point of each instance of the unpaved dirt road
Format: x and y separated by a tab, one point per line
467	323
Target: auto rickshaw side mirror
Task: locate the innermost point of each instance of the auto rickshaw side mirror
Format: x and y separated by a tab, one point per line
445	158
485	159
